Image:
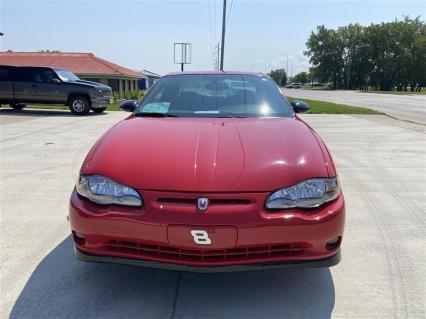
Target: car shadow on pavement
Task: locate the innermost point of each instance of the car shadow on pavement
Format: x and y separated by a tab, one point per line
42	112
62	287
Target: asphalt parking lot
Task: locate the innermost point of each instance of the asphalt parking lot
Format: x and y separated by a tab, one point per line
406	107
381	164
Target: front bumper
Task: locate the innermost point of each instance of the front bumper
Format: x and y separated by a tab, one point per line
243	236
316	263
100	102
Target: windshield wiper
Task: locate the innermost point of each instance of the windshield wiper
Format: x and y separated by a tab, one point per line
154	114
230	116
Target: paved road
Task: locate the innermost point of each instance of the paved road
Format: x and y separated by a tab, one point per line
406	107
381	275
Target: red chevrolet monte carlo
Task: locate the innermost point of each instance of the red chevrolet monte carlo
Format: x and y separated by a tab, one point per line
211	172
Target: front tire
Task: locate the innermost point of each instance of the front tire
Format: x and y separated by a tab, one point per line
79	105
16	106
99	110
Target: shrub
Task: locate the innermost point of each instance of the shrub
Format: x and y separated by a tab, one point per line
129	95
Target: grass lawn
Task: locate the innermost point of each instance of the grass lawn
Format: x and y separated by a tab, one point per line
317	107
321	88
370	90
321	107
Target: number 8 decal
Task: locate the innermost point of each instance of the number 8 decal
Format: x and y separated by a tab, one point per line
201	237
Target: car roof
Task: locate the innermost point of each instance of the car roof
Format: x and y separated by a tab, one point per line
27	66
215	73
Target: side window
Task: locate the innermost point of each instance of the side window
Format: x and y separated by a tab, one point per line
24	75
44	75
49	75
5	74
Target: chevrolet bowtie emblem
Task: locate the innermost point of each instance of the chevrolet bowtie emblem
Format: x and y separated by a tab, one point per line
202	204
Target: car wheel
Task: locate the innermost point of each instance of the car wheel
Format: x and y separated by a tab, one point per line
79	105
99	110
17	106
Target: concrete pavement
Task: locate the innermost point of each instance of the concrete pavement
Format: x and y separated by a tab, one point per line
382	171
406	107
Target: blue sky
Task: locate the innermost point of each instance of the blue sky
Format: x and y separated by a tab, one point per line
140	34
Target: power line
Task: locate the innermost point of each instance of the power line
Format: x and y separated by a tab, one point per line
229	14
216	56
215	36
210	24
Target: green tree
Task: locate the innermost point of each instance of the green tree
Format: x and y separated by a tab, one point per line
325	53
279	76
301	77
386	55
418	68
313	75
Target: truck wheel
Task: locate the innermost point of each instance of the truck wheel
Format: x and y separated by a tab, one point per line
99	110
17	106
79	105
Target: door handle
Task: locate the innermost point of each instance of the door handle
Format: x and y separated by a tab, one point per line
34	85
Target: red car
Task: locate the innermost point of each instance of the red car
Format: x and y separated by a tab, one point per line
212	171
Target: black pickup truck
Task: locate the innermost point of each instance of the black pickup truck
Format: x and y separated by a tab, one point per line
45	85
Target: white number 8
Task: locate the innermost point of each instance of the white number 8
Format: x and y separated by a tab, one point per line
201	237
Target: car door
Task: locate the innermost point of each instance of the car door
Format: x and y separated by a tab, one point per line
25	85
48	87
6	84
37	85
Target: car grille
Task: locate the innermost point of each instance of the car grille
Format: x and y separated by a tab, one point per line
193	201
174	253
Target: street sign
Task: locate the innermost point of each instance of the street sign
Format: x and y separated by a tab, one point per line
182	53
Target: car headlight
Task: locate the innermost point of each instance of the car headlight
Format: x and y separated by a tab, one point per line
307	194
103	190
98	92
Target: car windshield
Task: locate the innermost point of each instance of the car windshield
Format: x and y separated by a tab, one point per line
215	95
66	76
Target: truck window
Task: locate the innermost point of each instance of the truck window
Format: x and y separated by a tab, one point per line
24	75
4	74
44	75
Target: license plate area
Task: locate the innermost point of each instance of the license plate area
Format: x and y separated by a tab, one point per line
202	237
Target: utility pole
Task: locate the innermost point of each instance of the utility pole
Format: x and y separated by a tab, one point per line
223	36
286	71
287	64
349	69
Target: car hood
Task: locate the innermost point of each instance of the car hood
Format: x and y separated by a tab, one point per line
208	155
91	84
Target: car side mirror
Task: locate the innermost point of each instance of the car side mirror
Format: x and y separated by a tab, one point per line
55	80
299	106
129	105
